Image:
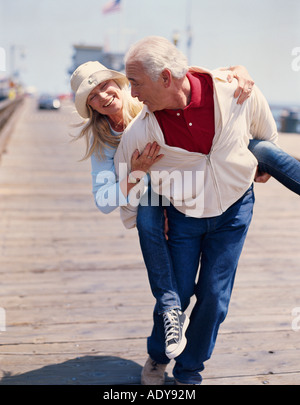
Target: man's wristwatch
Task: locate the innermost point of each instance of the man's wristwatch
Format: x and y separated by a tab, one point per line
132	179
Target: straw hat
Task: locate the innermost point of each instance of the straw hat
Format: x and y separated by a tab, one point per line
88	76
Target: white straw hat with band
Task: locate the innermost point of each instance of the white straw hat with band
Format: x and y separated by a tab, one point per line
88	76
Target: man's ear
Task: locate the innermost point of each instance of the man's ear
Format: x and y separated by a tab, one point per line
166	77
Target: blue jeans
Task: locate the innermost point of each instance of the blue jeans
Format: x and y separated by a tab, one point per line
216	244
167	282
277	163
150	224
156	253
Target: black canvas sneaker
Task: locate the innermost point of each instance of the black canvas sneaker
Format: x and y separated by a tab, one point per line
175	323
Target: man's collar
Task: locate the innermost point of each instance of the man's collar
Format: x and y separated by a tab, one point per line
145	111
215	74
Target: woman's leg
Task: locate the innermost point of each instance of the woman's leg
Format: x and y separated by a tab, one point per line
277	163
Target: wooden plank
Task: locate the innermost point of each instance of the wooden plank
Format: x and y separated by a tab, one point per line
107	361
75	289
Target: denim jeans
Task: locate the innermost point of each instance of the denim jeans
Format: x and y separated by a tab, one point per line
172	266
157	258
277	163
216	244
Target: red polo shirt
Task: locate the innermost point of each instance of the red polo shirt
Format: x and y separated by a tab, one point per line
193	128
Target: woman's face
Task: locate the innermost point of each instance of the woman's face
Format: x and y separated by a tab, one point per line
106	98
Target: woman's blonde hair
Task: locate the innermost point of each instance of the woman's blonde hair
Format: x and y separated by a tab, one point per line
96	130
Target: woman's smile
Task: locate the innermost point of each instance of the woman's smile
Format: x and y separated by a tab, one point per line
110	102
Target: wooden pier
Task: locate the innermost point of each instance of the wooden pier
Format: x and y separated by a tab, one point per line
74	289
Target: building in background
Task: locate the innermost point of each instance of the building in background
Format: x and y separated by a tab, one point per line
287	121
86	53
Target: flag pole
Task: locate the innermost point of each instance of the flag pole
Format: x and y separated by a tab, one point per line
121	28
111	7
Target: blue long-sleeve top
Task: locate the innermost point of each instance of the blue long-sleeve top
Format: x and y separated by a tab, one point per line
106	189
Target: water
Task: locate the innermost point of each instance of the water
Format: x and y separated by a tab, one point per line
279	110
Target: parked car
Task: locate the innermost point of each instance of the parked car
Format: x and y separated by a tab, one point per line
47	102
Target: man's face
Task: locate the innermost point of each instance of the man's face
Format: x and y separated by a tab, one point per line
151	93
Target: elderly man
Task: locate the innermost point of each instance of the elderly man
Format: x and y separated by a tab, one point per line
204	135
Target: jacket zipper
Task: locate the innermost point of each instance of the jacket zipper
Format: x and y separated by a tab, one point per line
208	159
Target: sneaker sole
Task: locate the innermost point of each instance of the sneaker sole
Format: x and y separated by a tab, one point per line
183	343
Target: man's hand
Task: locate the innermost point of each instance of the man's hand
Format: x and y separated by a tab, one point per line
245	82
261	177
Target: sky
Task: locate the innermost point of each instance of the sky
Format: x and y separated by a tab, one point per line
263	35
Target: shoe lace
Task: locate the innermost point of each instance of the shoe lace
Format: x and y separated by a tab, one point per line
171	324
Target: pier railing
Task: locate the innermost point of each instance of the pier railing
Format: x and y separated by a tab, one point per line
7	111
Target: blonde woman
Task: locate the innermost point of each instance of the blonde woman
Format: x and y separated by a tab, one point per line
102	97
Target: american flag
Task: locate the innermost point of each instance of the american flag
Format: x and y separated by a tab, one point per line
111	6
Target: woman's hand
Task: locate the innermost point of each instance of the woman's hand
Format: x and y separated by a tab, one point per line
143	162
245	82
140	165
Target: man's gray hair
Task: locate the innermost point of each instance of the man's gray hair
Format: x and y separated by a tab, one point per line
157	54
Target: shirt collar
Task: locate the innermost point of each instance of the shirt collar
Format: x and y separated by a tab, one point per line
197	99
145	111
196	92
216	75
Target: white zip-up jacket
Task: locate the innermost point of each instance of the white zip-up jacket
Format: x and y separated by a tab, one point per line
201	185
